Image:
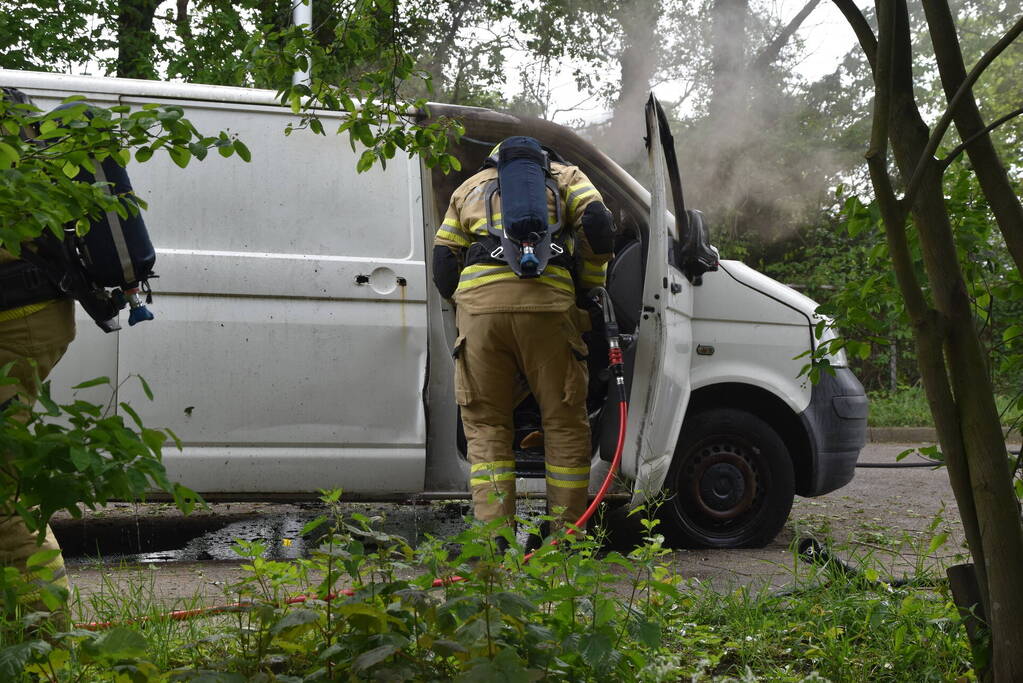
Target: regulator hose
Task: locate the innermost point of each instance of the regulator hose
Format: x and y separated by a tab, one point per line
616	364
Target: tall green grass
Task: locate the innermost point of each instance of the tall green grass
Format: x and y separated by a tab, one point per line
908	407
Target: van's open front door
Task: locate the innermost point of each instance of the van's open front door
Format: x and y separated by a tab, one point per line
660	384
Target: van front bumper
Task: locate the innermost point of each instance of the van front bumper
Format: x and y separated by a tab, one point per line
836	422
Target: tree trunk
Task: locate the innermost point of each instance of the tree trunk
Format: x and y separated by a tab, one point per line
984	485
638	61
994	181
135	38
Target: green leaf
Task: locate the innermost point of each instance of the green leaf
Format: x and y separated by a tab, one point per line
180	156
92	383
80	458
145	387
14	658
41	558
117	644
131	411
372	657
294	623
242	150
8	155
649	633
938	541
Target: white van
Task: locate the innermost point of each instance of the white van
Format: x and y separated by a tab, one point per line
300	345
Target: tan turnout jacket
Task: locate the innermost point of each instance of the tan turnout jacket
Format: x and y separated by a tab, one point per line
494	288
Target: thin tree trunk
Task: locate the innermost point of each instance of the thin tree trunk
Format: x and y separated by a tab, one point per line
994	181
638	61
135	38
978	423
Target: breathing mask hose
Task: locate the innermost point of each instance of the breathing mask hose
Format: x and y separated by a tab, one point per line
616	364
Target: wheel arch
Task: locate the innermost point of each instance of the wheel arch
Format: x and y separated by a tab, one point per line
769	408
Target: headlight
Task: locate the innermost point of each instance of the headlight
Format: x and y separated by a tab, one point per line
837	359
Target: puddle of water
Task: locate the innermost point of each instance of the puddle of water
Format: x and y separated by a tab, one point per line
162	538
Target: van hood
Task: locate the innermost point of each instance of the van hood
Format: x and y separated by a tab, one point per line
773	289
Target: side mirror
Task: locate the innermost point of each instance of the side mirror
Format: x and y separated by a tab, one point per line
695	254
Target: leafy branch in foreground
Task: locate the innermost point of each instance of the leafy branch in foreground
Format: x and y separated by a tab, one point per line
360	70
43	155
78	455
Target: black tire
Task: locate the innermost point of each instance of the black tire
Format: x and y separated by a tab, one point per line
730	484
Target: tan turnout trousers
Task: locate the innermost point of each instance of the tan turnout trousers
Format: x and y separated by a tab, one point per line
492	351
42	336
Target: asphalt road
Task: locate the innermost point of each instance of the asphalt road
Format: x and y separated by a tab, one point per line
886	517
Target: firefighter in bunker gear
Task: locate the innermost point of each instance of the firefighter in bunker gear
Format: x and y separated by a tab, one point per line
33	337
37	323
511	328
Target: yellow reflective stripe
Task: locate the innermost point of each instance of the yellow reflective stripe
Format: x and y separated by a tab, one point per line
575	202
492	465
491	478
577	193
569	470
452	223
593	274
453	237
470	284
484	273
24	311
567	484
480	226
557	283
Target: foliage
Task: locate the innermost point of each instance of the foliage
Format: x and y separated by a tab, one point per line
40	187
907	407
368	612
79	455
359	73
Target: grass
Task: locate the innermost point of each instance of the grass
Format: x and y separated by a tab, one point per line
581	615
908	407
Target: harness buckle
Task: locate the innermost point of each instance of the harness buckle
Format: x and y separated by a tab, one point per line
557	249
496	253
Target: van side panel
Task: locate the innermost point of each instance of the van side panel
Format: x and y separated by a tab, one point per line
289	346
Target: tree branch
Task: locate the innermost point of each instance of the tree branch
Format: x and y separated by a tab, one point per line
893	212
965	89
951	156
864	34
770	53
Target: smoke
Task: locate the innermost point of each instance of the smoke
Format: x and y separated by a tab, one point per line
755	147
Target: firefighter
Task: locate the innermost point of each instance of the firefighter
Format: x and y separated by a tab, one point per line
37	323
36	326
512	328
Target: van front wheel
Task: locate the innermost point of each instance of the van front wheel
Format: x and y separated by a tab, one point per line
730	484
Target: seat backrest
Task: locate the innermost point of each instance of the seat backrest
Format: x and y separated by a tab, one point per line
625	285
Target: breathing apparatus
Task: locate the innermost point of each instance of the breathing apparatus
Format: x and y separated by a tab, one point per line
105	269
527	238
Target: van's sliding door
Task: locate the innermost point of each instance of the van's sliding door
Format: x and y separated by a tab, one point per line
289	346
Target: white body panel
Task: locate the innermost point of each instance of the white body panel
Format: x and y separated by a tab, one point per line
753	324
277	368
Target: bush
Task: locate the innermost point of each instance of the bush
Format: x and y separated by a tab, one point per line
369	610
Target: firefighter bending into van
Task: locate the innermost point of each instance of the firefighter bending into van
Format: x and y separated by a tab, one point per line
521	241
